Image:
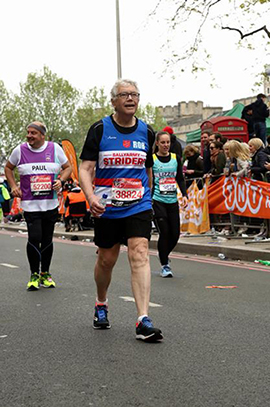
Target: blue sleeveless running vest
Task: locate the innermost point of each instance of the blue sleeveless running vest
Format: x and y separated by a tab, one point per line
120	171
165	187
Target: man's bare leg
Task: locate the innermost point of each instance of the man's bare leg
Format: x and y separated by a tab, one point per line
138	255
103	270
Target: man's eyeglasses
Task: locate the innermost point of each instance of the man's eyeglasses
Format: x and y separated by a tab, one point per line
212	148
126	95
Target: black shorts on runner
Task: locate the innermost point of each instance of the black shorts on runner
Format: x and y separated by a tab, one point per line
109	232
162	210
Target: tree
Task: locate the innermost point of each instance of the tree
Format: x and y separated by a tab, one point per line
52	100
188	22
10	125
65	112
151	115
95	106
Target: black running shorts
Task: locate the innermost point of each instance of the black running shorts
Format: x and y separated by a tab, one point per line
109	232
164	210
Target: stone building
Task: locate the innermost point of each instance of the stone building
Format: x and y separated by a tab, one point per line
188	116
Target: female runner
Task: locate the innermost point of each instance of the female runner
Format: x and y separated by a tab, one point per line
167	173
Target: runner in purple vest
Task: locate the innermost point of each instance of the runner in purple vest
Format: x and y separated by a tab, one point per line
118	150
39	163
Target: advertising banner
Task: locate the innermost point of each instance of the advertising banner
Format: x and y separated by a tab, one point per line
72	158
241	196
195	217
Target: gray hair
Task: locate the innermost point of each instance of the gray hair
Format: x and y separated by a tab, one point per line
122	82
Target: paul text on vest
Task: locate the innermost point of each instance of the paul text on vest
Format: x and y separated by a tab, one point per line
39	168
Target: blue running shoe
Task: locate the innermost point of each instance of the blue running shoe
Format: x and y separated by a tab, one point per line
166	271
146	332
100	317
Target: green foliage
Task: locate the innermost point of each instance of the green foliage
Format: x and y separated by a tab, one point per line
63	109
49	99
151	115
95	106
10	124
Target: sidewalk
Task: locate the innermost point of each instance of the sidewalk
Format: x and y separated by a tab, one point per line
236	248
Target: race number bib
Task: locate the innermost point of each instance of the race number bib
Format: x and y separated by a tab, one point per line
41	185
126	191
167	186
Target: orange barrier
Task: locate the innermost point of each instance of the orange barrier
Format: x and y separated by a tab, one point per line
240	196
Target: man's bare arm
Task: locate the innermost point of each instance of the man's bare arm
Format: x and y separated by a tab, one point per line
9	172
87	175
65	174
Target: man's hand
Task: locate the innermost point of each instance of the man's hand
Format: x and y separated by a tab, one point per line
95	208
16	192
57	185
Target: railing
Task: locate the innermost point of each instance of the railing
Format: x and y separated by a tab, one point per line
235	226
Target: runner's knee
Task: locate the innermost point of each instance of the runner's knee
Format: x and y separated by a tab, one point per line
138	251
107	258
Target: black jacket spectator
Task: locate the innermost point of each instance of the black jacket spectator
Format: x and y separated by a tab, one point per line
247	116
267	148
257	167
260	111
206	160
194	168
175	146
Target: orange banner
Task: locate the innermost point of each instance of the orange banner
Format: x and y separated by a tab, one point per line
69	150
241	196
195	217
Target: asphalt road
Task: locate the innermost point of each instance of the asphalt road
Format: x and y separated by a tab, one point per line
216	341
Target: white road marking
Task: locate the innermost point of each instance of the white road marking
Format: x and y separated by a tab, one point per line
3	336
131	299
9	265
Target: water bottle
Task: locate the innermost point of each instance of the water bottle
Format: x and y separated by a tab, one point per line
214	233
264	262
221	256
103	200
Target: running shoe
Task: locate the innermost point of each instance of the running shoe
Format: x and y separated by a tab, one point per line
46	280
100	317
166	271
34	282
146	332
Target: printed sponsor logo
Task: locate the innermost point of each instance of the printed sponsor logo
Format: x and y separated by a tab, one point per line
139	145
126	143
242	195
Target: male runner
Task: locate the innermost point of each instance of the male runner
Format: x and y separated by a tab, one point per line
39	163
118	150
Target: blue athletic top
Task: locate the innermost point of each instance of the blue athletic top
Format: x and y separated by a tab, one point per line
121	172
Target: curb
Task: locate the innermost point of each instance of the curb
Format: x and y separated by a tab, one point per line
234	249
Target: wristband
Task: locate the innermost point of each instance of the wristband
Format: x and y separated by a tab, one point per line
62	182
